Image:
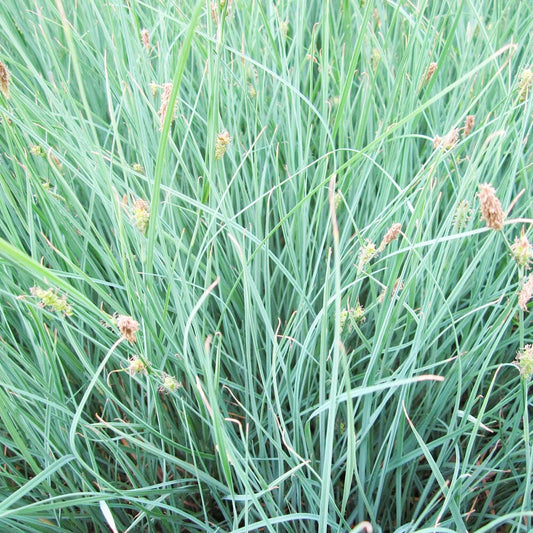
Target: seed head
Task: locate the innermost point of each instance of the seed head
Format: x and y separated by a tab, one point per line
522	251
165	97
141	214
448	141
524	360
169	383
136	366
430	70
391	235
462	214
366	253
469	125
524	84
50	298
214	13
526	293
145	38
376	58
127	327
337	200
37	150
284	28
397	287
4	80
491	208
222	142
352	315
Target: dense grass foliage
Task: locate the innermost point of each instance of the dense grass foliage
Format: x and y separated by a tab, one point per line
211	318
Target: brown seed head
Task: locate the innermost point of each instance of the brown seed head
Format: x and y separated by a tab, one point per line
398	286
165	97
526	293
469	125
430	70
128	327
145	38
390	236
448	141
491	208
4	80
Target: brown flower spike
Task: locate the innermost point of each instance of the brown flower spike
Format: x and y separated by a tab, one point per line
491	208
391	235
469	125
448	141
428	74
526	293
128	327
4	80
165	97
145	38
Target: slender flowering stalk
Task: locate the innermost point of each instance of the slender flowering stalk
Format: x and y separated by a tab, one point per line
491	208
